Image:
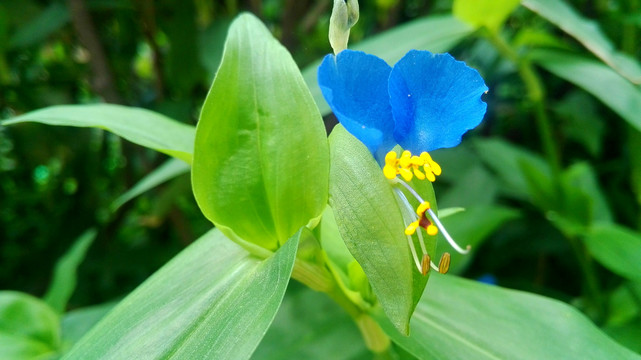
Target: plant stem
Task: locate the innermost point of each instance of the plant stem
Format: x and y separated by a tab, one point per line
591	284
536	94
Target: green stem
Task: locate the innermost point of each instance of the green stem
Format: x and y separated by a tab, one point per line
629	32
312	275
536	95
591	284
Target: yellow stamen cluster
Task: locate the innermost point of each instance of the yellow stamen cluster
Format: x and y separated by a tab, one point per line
422	221
409	165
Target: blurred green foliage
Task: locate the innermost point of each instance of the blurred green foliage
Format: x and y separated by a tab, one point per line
56	182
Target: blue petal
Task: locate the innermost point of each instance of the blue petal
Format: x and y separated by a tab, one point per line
355	86
435	100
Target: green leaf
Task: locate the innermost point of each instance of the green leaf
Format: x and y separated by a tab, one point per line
597	79
76	323
372	227
140	126
65	272
170	169
617	248
261	161
212	301
311	326
587	32
50	20
507	160
488	13
437	34
29	328
465	319
472	227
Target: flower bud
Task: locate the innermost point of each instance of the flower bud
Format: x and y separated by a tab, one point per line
344	16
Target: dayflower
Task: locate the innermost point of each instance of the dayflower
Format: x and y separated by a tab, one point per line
425	102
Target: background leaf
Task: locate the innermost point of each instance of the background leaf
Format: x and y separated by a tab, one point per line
261	162
488	13
165	172
29	328
213	300
65	272
463	319
140	126
588	33
372	227
309	325
617	248
599	80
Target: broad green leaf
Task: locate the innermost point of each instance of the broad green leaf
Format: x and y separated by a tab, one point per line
140	126
472	227
65	272
597	79
309	325
464	319
617	248
437	34
167	171
50	20
212	301
372	227
588	33
29	328
261	161
76	323
488	13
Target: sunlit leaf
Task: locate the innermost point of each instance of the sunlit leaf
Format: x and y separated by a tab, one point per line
261	161
212	301
140	126
463	319
488	13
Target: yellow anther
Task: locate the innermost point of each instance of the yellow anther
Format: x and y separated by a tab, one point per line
390	158
389	171
429	174
405	173
436	168
444	263
432	230
419	174
405	160
426	157
425	264
416	161
411	228
422	208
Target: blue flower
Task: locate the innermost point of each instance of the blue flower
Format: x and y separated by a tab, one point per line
426	102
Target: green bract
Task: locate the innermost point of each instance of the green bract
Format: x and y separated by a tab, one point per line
371	225
261	161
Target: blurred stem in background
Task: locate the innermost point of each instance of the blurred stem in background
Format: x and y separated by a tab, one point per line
536	95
